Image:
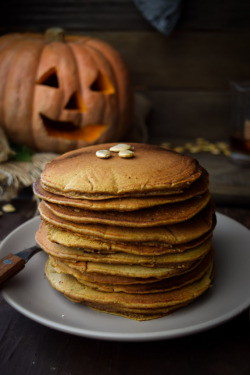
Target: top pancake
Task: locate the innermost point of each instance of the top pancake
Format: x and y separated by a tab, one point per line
200	186
153	170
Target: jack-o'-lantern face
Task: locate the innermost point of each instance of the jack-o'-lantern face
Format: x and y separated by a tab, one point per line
81	95
69	124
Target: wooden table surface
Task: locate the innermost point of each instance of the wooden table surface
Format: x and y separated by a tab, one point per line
27	347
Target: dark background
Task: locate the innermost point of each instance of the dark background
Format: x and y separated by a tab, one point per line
185	75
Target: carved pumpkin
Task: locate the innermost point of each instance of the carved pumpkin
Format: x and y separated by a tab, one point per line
59	93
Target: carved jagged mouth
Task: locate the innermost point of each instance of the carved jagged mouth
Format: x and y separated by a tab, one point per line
68	130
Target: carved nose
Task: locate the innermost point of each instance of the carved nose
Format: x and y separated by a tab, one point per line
75	102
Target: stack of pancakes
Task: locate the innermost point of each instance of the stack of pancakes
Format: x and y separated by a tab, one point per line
128	236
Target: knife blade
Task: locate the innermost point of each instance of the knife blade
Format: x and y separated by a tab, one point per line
11	264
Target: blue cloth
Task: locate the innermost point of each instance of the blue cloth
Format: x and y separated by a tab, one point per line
162	14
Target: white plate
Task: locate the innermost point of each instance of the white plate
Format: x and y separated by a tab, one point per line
30	293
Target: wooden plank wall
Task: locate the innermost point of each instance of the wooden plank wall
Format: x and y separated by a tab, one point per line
186	76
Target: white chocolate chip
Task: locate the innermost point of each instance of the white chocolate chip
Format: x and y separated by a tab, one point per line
103	154
120	147
7	208
126	154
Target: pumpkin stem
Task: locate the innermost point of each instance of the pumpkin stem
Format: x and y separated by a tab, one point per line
54	34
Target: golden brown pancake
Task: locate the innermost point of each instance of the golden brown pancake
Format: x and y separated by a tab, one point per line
73	240
134	271
148	217
101	278
78	255
200	186
171	234
153	170
166	284
145	304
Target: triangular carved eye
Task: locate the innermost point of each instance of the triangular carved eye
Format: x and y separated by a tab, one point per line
102	84
75	102
49	78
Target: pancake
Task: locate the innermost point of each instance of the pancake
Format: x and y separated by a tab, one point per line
151	287
127	236
171	234
79	255
146	304
148	217
130	314
112	279
153	170
74	241
135	271
200	186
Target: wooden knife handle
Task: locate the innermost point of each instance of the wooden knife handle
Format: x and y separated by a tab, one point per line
9	266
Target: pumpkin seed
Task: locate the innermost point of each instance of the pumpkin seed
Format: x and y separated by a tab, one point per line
7	208
195	149
179	149
103	154
126	154
120	147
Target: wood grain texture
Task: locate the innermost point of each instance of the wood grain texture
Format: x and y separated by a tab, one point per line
189	114
186	60
73	15
10	265
229	183
215	15
120	15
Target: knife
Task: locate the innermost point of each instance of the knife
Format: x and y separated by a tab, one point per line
11	264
